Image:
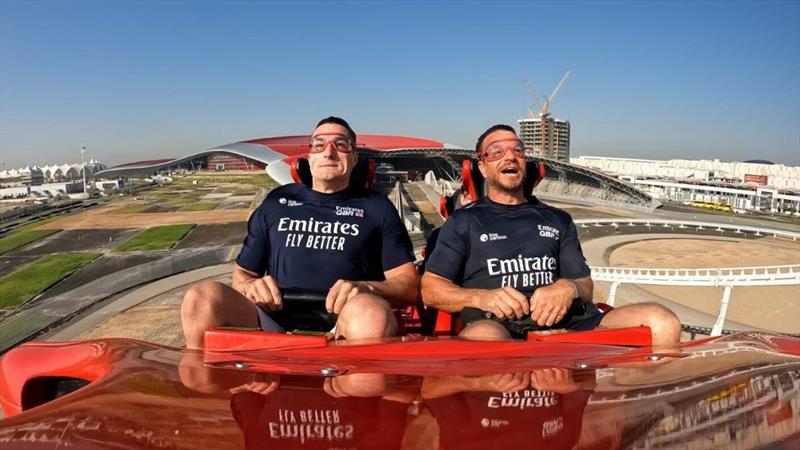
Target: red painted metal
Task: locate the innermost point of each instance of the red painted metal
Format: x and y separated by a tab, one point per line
633	337
468	181
377	394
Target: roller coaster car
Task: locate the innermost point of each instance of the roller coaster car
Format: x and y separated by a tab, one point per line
259	390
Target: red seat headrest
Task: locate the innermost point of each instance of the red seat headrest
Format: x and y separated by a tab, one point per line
474	186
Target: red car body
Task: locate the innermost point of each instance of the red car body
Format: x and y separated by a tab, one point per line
598	389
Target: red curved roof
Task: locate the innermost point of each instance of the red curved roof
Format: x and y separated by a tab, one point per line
298	145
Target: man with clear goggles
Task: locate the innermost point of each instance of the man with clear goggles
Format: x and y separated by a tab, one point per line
497	149
320	142
510	264
329	237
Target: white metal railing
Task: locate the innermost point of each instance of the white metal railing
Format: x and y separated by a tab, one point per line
725	277
735	276
669	223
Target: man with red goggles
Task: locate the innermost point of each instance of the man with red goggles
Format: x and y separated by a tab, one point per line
331	237
509	262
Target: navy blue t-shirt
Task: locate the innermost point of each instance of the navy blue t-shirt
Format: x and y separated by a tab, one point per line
307	239
510	420
487	245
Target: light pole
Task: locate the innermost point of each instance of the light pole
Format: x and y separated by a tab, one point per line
83	161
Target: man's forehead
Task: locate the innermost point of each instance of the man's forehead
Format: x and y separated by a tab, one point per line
500	135
330	129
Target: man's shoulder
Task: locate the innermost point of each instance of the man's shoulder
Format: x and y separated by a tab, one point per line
286	189
281	194
370	198
560	214
476	208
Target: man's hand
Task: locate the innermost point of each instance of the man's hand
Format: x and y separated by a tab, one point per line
555	379
550	303
505	303
356	385
263	383
341	292
264	292
503	382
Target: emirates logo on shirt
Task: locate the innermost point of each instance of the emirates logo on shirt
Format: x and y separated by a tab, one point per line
547	231
349	211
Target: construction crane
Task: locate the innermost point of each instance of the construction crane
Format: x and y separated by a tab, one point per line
544	111
534	96
544	105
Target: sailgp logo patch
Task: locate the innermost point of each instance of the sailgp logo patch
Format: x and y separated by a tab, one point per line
286	202
349	211
492	237
548	232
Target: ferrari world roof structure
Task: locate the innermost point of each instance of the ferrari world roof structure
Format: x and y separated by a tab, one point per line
404	153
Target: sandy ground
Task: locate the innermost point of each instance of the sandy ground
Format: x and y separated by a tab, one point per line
101	218
772	307
161	314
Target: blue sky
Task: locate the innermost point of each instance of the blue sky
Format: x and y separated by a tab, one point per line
139	80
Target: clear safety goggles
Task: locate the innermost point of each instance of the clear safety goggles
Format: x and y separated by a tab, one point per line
340	143
495	150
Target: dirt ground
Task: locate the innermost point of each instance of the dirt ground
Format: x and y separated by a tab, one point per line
100	218
164	310
772	307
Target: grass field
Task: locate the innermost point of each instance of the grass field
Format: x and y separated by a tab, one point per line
183	200
199	206
19	238
261	180
156	238
30	280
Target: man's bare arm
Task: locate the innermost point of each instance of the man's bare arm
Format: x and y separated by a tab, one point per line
242	277
263	291
443	294
401	287
585	287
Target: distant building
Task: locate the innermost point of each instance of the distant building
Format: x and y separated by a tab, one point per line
742	186
775	175
31	176
548	137
56	173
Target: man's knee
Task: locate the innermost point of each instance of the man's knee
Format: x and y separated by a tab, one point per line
202	300
367	316
664	325
485	330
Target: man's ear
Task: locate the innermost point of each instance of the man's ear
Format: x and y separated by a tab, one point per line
482	168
